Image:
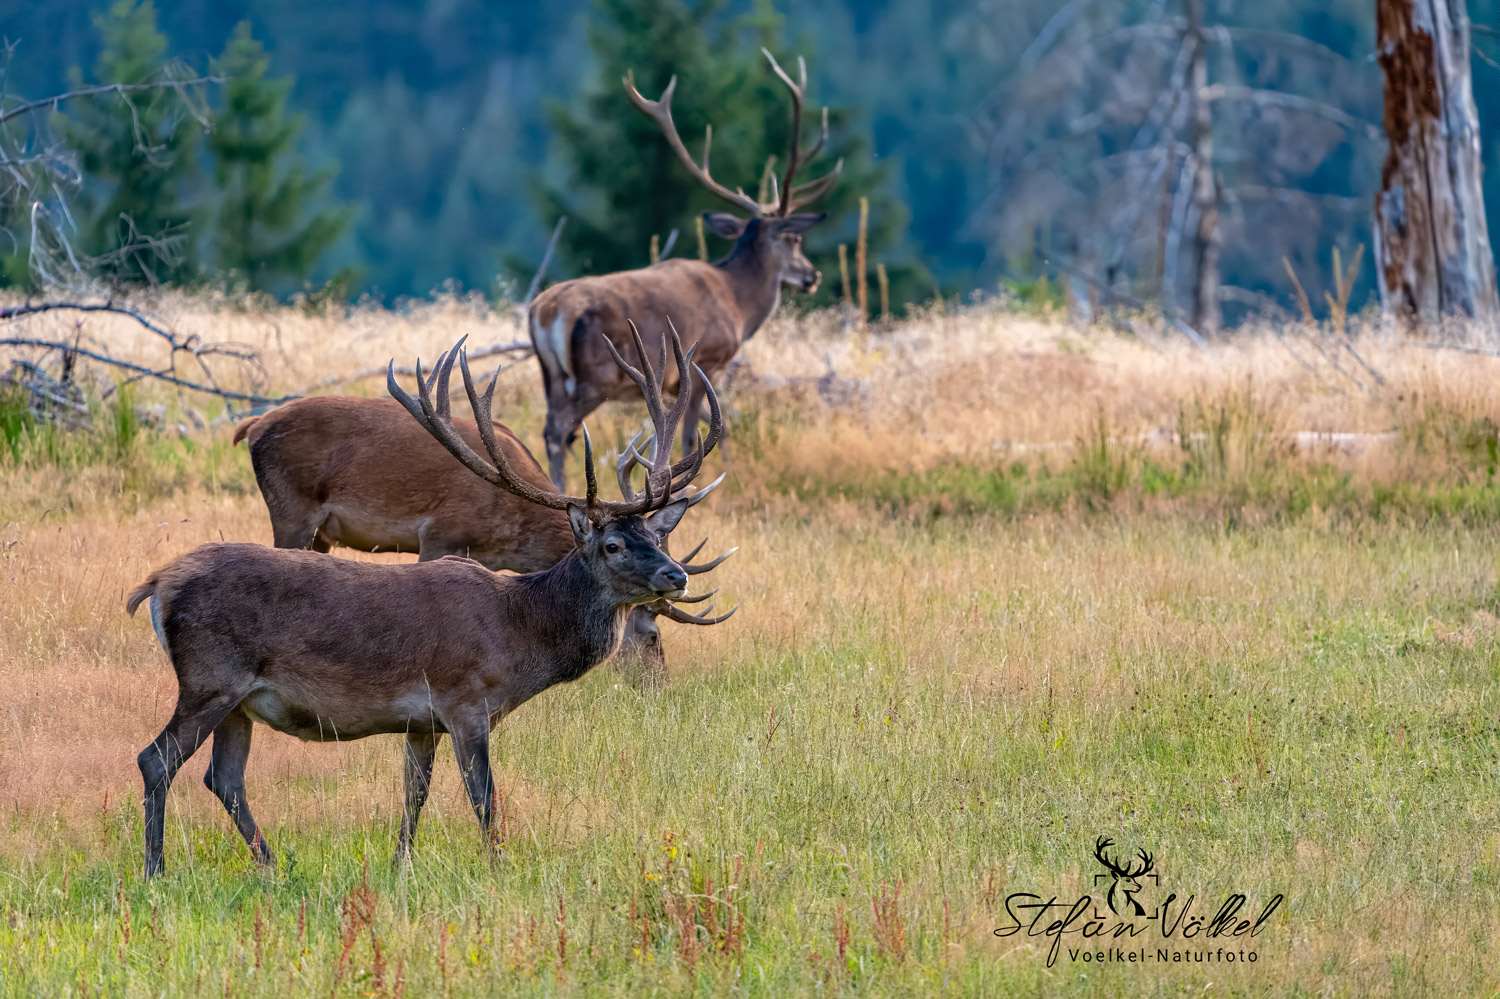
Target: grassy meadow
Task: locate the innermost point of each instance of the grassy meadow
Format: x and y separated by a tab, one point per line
1006	586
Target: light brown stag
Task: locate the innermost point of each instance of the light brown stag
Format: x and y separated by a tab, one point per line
325	648
724	303
362	474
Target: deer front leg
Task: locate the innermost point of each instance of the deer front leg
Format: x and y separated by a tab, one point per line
421	749
225	777
472	747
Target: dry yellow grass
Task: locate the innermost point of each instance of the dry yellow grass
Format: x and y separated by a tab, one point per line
957	703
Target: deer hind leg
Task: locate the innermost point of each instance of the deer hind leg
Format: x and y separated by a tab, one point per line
565	414
473	751
225	777
421	750
191	722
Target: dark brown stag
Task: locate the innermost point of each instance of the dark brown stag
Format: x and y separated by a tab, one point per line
362	474
723	302
324	648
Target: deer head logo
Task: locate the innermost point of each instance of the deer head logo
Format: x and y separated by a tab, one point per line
1125	882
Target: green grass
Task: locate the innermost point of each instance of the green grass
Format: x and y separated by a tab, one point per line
1305	708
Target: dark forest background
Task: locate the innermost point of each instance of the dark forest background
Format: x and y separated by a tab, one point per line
998	140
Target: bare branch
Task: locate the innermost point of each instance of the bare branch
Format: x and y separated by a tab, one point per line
141	369
107	88
1291	102
541	269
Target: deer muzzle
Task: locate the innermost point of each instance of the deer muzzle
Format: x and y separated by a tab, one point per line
670	582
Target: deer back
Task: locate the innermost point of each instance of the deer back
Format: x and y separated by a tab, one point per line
699	298
329	648
382	480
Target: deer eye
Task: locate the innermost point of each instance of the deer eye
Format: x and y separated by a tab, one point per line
612	547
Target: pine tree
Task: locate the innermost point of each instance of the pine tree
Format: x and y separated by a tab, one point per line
262	230
618	182
137	155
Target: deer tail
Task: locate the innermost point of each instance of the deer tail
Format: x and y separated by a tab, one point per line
243	430
140	593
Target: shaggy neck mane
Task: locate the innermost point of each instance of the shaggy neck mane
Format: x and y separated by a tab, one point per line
576	620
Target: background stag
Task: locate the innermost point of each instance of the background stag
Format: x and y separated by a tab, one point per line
723	303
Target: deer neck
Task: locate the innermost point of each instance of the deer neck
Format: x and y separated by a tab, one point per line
756	281
575	624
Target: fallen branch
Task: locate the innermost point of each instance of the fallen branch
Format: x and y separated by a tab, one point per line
160	375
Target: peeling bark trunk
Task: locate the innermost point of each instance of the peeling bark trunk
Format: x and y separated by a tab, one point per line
1206	240
1432	247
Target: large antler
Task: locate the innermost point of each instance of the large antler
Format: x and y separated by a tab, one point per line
661	112
785	198
664	480
801	195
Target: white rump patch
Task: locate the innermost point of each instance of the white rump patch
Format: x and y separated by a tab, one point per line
161	636
557	347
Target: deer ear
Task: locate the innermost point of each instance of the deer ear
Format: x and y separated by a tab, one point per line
801	222
723	224
668	517
578	519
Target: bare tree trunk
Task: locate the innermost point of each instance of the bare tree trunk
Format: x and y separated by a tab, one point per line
1432	246
1206	240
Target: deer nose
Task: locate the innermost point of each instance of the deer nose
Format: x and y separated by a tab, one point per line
671	581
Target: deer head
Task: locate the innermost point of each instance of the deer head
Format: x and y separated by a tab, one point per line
1126	879
775	227
622	543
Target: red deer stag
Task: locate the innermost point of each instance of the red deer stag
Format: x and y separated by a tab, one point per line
725	302
362	474
326	648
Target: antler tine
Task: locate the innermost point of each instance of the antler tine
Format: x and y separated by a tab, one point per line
690	464
781	73
694	570
806	194
629	458
681	616
480	404
435	417
591	500
690	555
793	160
1145	862
822	138
694	600
699	495
644	380
685	367
661	112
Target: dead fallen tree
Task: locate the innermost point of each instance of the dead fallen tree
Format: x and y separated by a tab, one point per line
55	396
